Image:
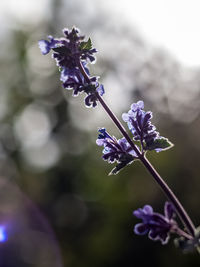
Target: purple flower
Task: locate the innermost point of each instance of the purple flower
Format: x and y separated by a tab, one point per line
69	52
115	150
72	79
139	122
69	49
45	46
91	98
156	225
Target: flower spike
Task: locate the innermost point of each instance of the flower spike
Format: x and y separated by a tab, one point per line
71	52
139	123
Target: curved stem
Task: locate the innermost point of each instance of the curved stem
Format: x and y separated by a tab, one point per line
110	113
170	195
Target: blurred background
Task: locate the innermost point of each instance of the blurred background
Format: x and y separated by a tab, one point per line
58	207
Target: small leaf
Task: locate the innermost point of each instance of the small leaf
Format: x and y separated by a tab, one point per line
121	165
86	45
159	144
117	168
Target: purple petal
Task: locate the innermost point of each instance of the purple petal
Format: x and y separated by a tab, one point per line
44	46
137	213
134	107
153	234
63	76
148	209
169	210
163	237
140	104
101	90
125	117
100	142
141	229
143	213
123	143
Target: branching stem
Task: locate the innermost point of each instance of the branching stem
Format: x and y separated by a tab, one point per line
169	193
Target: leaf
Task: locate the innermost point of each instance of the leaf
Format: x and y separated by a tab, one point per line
117	168
159	144
121	165
86	45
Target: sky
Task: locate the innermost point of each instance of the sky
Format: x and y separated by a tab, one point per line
171	24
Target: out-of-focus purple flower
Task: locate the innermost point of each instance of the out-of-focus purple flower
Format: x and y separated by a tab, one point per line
156	225
69	52
139	122
115	150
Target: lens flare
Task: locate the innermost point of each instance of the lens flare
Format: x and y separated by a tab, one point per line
3	234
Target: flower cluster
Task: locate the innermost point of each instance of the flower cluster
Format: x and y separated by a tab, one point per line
72	55
139	122
156	225
115	150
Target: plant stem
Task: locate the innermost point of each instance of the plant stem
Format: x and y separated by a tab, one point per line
182	233
170	195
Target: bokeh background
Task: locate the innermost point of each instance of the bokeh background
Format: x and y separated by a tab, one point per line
58	207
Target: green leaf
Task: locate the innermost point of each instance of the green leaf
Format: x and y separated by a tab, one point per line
121	165
162	143
117	168
86	45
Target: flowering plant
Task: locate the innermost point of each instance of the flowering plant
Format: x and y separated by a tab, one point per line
73	55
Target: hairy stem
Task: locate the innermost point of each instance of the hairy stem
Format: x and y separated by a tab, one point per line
170	195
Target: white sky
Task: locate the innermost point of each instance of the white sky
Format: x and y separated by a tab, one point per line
173	24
